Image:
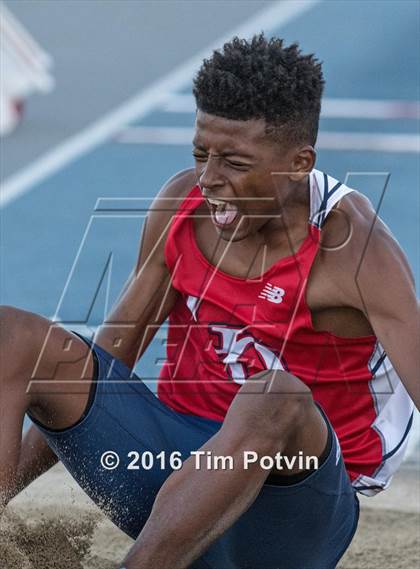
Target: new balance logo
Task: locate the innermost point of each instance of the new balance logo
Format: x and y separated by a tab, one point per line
272	293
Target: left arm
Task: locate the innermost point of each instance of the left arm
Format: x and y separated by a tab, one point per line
390	300
373	276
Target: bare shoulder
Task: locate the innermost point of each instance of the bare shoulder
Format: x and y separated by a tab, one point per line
169	198
359	249
178	186
356	228
161	213
349	225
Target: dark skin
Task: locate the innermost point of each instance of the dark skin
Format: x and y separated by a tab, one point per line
282	222
180	529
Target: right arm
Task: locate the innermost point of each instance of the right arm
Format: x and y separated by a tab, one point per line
148	297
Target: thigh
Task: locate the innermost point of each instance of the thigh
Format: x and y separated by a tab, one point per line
127	443
308	525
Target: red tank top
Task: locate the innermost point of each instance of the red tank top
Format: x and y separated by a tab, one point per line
223	329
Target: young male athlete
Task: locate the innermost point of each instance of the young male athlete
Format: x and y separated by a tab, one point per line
293	329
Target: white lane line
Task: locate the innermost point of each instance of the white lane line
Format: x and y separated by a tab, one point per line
151	98
359	141
367	141
370	109
331	108
156	135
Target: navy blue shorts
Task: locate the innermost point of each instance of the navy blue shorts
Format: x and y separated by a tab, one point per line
307	525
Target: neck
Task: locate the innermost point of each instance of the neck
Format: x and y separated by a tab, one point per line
293	213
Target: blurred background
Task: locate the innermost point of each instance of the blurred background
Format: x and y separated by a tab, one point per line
99	114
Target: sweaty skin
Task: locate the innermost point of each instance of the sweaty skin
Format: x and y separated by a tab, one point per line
349	294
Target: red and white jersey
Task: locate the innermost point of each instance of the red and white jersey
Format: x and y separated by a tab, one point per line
223	329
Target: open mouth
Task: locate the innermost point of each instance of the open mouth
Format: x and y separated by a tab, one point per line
223	213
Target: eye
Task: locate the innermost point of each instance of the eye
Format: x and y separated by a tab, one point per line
237	165
199	157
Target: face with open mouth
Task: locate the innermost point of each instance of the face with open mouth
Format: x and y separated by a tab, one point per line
234	162
237	216
223	213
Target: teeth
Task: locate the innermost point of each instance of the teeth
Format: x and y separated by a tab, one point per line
216	202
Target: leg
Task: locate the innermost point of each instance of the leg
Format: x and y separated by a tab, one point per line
306	525
36	357
273	413
281	408
309	523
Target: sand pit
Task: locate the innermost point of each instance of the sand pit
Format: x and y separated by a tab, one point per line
79	539
49	541
53	525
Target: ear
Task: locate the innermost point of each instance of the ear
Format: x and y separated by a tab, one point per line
302	163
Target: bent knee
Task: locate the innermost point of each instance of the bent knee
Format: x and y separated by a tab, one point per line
274	407
37	345
20	329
